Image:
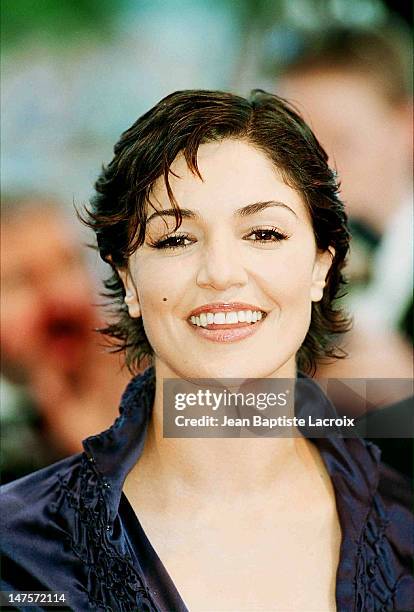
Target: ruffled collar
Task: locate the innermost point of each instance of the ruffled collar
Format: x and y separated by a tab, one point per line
352	464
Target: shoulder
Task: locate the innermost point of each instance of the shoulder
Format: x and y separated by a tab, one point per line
21	498
396	494
387	543
373	503
57	535
392	499
30	534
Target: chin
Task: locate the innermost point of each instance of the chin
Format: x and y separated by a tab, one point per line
237	369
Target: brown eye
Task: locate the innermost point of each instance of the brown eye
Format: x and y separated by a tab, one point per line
173	242
266	235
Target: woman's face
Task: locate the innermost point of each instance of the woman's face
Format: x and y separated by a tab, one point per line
229	293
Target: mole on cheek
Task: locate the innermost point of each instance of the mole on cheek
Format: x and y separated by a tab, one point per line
164	299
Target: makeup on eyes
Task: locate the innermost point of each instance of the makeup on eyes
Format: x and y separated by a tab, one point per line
260	235
163	234
176	241
263	233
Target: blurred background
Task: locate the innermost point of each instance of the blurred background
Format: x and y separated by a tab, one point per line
74	75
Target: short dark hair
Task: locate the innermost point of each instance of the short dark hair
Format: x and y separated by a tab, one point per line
180	123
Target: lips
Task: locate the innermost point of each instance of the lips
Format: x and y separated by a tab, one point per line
223	307
226	322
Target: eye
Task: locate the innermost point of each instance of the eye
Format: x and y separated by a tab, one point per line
176	241
266	234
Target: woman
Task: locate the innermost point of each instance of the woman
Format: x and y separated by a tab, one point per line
222	224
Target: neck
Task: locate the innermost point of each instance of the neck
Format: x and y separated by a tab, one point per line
216	467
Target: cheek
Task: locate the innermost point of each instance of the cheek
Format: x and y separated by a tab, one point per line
288	282
160	286
288	277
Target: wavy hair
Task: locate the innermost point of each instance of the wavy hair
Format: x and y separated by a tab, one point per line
180	123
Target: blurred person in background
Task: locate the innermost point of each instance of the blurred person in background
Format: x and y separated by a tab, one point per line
353	85
58	383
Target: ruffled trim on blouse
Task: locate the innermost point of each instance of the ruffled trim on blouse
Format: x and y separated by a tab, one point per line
88	496
111	581
375	579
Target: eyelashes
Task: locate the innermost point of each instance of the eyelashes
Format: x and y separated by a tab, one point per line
266	234
260	235
177	241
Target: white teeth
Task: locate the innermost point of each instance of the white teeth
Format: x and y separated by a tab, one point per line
227	318
219	318
231	317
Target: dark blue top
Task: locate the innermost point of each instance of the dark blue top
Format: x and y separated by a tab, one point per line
69	528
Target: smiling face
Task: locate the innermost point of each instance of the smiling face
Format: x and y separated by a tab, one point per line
229	293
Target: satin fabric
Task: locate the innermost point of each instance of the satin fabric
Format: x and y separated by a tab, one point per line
69	528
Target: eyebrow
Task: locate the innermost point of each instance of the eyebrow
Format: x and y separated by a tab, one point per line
244	211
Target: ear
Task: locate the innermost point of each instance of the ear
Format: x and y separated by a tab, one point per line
131	297
323	262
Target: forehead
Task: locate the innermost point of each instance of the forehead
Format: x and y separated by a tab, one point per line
233	173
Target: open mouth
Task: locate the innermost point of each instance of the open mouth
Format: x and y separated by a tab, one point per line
226	322
231	319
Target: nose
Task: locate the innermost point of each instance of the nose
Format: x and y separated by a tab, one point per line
221	267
